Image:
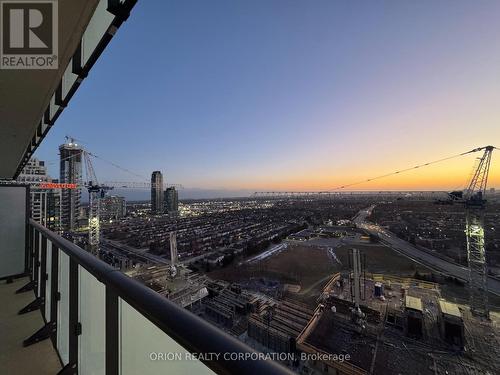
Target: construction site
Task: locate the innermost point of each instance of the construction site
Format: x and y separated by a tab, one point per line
176	282
383	323
392	325
261	321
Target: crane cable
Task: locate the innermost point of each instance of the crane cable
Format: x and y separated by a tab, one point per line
116	165
83	152
410	169
53	161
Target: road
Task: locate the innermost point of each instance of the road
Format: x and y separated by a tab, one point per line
420	256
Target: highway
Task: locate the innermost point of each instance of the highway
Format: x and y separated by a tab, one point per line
420	256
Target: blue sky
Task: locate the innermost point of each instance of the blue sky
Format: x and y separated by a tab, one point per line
277	94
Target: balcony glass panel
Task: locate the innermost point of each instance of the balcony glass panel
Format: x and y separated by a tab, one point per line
146	349
53	108
68	80
91	315
12	230
98	25
63	308
48	271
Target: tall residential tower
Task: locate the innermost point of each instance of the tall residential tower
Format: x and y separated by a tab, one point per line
45	201
156	193
171	201
70	173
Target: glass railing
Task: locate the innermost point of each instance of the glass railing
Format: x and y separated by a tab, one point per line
104	322
98	26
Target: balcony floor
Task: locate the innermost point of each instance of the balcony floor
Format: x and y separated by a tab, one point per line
40	358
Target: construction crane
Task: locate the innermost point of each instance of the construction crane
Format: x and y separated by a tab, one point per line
173	254
139	185
475	204
357	293
98	191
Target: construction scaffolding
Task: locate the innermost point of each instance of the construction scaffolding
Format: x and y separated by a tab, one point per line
278	326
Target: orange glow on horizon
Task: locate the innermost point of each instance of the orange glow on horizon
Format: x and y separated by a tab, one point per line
451	175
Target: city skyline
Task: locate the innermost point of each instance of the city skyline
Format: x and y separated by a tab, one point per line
273	96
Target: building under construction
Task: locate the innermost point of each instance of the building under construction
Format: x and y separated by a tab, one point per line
405	327
229	306
256	317
277	326
185	288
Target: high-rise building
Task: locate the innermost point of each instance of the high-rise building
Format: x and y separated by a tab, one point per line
70	173
171	200
34	171
45	201
156	193
113	207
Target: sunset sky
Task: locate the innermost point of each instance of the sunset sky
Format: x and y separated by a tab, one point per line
293	95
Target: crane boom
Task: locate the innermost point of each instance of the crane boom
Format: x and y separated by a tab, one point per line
478	183
139	185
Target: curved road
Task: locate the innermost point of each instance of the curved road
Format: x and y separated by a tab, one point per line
405	248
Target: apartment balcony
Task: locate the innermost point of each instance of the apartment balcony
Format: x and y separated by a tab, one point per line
65	311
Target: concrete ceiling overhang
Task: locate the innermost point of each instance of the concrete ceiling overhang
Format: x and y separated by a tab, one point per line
31	100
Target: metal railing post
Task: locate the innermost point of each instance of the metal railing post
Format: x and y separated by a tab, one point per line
112	332
74	330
